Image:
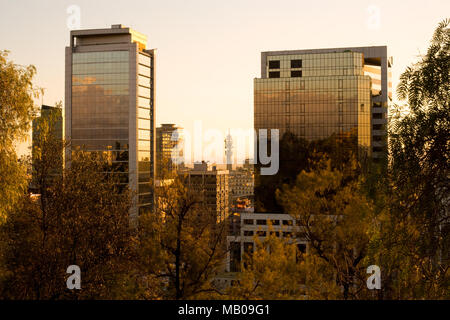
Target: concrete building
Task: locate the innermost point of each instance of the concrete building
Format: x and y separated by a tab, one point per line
242	242
213	187
109	103
169	149
241	183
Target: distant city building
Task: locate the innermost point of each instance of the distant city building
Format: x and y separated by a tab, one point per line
242	242
248	164
48	114
160	195
109	106
213	187
169	149
229	151
241	183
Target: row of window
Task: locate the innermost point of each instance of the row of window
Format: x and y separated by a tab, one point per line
319	120
103	56
325	72
329	83
294	74
250	233
100	78
101	68
100	90
330	58
275	64
313	108
274	222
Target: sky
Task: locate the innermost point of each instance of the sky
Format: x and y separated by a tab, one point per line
208	51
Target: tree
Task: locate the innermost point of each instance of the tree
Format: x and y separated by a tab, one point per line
272	272
335	216
412	242
181	245
16	111
79	218
297	154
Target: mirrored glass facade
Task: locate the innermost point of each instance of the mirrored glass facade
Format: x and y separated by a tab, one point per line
331	96
337	98
318	93
100	104
110	104
169	149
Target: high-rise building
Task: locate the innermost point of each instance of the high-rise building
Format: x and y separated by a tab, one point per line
213	187
169	149
53	117
48	113
340	95
109	103
318	93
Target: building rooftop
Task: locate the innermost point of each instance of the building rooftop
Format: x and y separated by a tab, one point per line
112	34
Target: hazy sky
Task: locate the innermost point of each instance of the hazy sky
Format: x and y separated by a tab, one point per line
208	51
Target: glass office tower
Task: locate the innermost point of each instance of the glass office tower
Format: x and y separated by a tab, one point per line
319	93
109	105
169	149
339	94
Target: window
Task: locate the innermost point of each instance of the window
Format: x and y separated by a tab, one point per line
301	247
302	85
302	235
261	222
274	74
377	138
287	222
377	104
235	256
378	127
261	233
248	247
274	64
275	222
377	149
378	116
296	63
143	59
296	74
248	221
248	233
287	234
